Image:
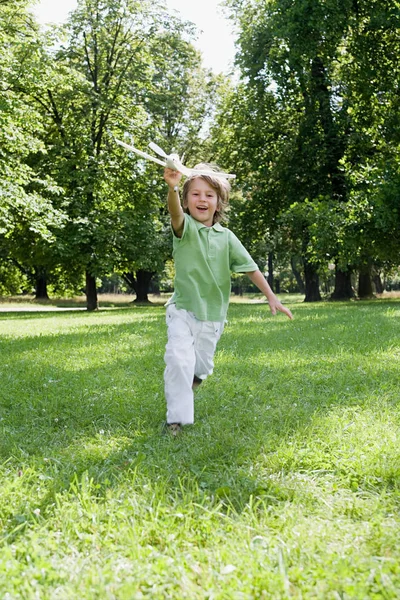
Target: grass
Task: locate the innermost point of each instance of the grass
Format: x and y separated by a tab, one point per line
286	486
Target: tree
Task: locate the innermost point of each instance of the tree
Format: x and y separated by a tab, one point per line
371	83
245	140
305	53
104	80
294	45
80	89
178	102
28	218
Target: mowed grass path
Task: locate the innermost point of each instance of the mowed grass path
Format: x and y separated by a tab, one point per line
287	486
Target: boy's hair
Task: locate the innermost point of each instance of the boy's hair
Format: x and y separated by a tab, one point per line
219	184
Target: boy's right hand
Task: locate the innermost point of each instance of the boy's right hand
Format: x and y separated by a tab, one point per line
172	177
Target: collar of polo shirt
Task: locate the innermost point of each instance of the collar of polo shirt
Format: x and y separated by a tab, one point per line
216	226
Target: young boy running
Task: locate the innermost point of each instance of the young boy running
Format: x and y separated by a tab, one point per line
205	255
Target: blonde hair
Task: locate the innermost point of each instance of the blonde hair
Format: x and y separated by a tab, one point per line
219	184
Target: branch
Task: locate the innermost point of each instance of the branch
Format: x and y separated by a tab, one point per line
105	115
56	115
88	59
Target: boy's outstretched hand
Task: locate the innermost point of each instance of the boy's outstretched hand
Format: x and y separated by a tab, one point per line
172	177
275	305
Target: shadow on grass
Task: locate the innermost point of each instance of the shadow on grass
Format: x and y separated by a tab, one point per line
88	402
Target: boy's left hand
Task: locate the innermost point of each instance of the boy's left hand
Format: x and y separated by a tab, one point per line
276	305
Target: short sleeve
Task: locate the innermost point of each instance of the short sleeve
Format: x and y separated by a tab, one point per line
240	260
177	239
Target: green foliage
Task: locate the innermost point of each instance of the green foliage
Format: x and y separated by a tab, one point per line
311	130
71	199
314	126
11	279
29	218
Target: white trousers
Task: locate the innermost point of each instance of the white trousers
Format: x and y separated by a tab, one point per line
190	351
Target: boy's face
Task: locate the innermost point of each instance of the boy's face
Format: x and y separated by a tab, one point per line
201	201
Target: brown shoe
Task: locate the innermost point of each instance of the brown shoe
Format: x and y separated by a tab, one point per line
196	382
174	428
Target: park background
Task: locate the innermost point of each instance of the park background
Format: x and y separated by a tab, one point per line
287	485
307	118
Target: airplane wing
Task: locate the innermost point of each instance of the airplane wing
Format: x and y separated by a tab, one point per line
212	173
140	153
173	163
157	149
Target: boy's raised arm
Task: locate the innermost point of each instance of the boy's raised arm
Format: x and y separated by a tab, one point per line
175	210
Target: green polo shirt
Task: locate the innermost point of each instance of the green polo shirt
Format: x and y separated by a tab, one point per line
204	259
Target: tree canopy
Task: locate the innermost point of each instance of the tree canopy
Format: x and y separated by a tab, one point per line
116	68
320	82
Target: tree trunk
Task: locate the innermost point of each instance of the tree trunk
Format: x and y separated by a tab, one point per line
237	288
143	279
91	292
41	284
154	286
334	141
365	283
139	284
377	281
311	283
297	275
270	278
343	289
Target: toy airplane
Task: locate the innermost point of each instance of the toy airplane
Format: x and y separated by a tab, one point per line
172	161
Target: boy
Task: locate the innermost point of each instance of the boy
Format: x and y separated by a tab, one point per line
205	255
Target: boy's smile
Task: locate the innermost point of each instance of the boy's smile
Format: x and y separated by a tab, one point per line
202	201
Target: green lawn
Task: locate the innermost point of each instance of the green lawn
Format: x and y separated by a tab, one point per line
287	486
